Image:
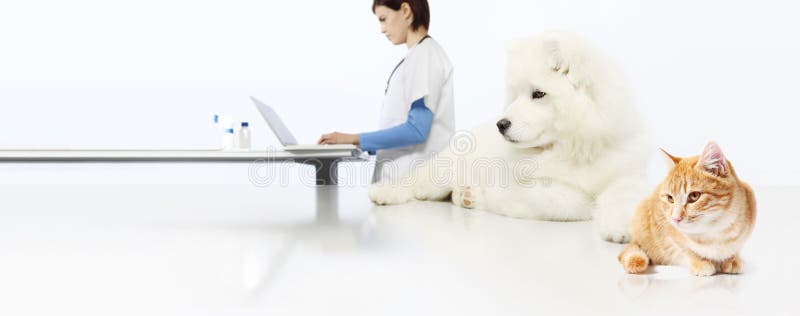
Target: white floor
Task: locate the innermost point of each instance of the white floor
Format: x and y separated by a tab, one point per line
122	240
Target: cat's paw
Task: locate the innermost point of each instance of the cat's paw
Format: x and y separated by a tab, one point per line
385	194
701	267
732	265
468	197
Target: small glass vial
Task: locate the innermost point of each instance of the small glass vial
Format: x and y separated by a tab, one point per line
244	136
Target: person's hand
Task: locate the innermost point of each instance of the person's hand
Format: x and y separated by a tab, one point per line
338	138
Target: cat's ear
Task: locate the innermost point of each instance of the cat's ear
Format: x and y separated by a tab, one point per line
669	160
713	160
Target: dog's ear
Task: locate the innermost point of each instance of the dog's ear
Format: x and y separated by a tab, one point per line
566	58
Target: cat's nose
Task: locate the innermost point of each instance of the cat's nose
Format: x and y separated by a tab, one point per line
677	220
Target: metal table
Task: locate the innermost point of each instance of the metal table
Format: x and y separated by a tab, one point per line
325	162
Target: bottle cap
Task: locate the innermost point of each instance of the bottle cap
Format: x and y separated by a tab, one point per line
230	131
245	124
216	118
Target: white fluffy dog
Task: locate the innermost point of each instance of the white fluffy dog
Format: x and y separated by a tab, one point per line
569	145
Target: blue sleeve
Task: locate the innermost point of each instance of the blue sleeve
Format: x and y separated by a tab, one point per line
414	131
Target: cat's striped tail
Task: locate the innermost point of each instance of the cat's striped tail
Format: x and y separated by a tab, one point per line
633	259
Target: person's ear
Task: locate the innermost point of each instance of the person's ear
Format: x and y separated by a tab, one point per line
408	14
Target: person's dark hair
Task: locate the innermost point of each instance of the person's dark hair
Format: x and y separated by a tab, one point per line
422	13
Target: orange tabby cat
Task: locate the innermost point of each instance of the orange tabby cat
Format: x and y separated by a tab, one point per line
699	217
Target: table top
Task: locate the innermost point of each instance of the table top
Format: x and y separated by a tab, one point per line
65	155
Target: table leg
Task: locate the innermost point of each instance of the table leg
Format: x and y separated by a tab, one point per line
327	170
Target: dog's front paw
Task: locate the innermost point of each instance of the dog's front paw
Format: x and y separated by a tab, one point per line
613	231
617	237
469	197
613	225
386	194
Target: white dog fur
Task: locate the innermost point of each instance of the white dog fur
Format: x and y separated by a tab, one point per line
576	152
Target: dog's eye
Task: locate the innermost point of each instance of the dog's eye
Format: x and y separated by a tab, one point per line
538	94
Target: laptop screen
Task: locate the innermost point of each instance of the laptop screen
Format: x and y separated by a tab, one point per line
275	124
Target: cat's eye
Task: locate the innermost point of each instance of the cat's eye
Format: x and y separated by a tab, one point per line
670	199
538	94
693	197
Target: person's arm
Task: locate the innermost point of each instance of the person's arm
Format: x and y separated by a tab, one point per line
414	131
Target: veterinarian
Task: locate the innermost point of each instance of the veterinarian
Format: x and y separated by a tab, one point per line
417	117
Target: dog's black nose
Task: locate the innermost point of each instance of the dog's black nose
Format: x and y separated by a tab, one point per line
503	125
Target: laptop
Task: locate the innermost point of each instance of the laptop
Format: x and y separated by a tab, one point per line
285	136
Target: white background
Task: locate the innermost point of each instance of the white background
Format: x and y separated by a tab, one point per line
150	74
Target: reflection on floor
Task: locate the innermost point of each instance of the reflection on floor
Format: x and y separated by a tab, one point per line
240	250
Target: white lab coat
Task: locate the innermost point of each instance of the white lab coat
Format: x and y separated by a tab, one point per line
425	72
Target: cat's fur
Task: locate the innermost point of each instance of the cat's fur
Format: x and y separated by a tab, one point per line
702	232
